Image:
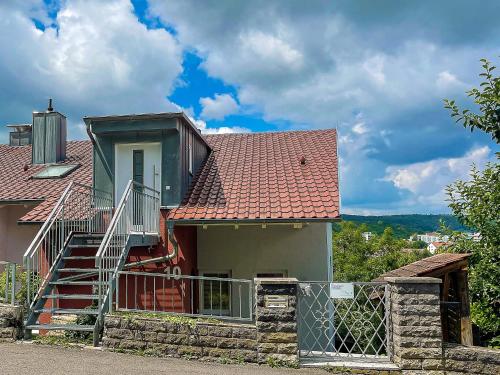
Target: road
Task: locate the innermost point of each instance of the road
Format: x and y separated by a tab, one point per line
29	359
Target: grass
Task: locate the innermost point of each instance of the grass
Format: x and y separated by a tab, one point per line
61	340
277	362
178	319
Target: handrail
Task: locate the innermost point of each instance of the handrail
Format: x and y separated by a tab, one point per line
48	223
79	209
137	211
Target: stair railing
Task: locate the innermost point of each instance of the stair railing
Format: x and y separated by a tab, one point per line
80	208
138	212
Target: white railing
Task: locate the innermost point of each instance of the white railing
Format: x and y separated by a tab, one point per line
198	296
137	212
79	209
9	288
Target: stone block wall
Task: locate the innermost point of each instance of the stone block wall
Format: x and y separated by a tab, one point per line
180	338
277	321
461	359
415	333
272	339
11	322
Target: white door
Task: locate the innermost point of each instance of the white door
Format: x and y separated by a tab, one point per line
141	159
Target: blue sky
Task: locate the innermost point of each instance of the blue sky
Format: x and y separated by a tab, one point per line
375	70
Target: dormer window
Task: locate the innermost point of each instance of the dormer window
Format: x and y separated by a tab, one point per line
56	171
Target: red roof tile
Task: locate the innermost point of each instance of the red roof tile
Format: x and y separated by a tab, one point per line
17	184
260	176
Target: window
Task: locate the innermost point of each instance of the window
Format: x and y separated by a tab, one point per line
56	171
138	166
216	295
190	154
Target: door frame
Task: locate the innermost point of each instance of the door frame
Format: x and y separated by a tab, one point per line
140	145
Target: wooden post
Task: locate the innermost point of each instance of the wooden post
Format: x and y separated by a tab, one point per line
465	323
445	290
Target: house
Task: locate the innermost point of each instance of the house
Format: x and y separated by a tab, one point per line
434	246
367	235
30	187
164	218
432	237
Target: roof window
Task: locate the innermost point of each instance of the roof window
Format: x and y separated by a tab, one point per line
56	171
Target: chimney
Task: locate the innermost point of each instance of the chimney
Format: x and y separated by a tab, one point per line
19	134
49	136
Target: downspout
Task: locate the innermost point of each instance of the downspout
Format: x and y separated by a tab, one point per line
169	226
88	126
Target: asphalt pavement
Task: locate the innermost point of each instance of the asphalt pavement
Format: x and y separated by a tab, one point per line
28	359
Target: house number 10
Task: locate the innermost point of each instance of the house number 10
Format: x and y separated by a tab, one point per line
174	271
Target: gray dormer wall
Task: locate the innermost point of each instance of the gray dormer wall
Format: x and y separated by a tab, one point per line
172	132
48	137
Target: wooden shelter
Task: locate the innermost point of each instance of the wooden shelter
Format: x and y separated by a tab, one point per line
455	306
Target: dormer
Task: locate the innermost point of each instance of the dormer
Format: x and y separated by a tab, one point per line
161	151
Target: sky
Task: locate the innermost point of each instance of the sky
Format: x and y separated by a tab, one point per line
375	70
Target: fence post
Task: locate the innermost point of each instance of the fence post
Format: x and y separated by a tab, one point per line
276	320
13	282
416	331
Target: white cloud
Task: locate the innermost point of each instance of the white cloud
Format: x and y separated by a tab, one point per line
202	125
428	180
360	128
448	81
219	107
100	60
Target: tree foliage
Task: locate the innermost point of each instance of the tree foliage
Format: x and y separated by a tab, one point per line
355	259
476	203
487	97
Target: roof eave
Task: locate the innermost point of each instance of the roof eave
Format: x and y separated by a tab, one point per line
253	221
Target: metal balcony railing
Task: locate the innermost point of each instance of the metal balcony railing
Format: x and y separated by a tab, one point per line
197	296
79	209
137	212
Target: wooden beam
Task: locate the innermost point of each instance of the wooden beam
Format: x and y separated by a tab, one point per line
445	291
465	323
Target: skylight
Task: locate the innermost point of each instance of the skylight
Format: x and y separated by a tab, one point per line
56	171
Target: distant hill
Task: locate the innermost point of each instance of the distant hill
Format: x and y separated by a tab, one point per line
405	225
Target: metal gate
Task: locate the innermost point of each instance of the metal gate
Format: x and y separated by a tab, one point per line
339	320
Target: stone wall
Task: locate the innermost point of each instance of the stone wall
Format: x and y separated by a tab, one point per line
277	321
471	360
272	339
180	338
415	333
415	329
11	322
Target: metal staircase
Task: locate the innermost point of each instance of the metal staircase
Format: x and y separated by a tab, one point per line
73	261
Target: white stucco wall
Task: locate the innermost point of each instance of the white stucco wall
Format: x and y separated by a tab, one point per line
15	238
302	253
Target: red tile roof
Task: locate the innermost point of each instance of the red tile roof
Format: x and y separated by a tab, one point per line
426	266
266	176
16	183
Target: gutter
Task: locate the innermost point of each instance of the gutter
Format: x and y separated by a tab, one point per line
255	221
21	201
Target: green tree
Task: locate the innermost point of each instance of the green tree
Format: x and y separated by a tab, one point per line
355	259
487	97
476	203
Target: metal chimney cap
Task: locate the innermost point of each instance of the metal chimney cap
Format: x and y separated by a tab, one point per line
50	108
